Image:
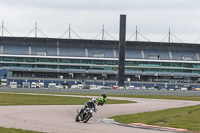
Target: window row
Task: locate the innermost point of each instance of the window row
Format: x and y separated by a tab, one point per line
99	62
96	68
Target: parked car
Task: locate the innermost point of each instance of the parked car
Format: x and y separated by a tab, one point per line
33	85
131	87
106	88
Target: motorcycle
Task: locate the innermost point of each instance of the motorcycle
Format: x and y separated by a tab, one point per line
85	116
100	101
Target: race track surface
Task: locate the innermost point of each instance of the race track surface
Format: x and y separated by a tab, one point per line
61	118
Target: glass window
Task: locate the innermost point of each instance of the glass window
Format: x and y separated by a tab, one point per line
41	60
165	64
154	70
52	66
47	60
190	65
40	66
142	69
64	60
74	61
197	65
74	67
177	70
7	58
87	61
110	62
64	67
98	62
9	65
27	65
18	59
85	67
187	71
155	64
131	63
29	59
176	64
196	71
97	67
52	60
142	63
131	69
107	68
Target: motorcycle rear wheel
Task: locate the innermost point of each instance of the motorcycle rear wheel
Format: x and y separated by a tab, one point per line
77	119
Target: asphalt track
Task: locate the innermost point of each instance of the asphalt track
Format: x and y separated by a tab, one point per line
61	118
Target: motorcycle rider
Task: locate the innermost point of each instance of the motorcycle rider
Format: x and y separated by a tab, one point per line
90	104
104	96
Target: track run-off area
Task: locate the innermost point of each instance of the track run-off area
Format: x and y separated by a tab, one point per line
61	118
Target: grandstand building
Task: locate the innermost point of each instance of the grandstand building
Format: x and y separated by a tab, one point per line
96	61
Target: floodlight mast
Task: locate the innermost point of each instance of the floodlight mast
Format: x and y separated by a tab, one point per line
35	29
2	29
169	39
69	31
136	35
103	33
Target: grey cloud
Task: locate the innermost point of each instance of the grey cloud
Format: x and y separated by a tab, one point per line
111	5
153	17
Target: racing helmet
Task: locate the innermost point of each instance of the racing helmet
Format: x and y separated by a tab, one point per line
94	100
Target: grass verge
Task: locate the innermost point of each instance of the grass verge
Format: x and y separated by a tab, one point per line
13	130
25	99
189	98
170	97
185	117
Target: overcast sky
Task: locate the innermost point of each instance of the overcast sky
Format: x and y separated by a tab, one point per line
87	17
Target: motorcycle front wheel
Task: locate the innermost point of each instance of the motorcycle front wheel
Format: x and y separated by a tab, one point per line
87	117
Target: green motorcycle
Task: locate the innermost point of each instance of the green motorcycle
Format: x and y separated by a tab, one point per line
100	101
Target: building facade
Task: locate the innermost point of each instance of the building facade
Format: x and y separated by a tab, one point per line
97	60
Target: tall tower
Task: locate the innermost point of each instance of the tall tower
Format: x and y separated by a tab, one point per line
122	48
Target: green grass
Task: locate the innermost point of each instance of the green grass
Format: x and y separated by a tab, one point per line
13	130
24	99
170	97
189	98
185	117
